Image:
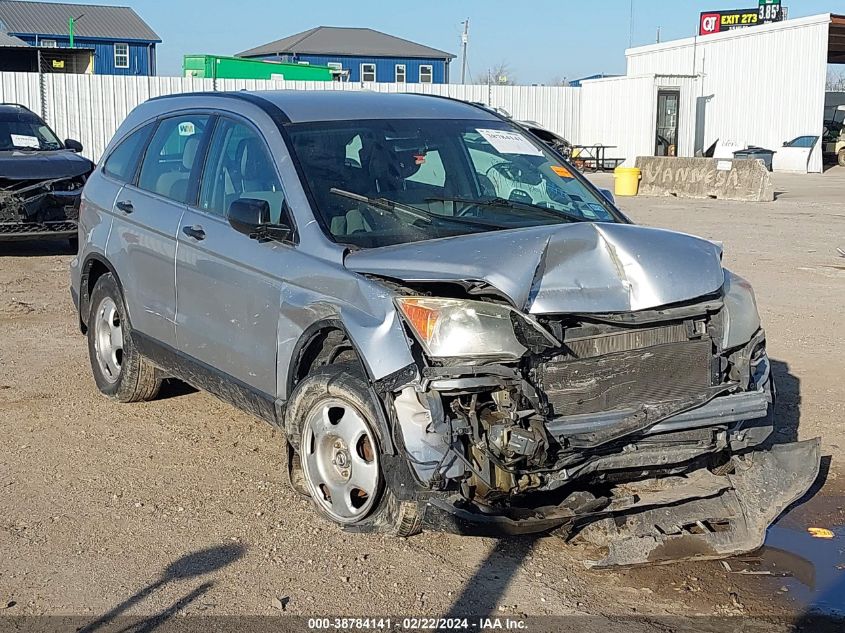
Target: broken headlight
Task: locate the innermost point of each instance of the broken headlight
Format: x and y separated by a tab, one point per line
457	328
743	319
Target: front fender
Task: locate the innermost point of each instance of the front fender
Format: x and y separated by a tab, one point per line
363	308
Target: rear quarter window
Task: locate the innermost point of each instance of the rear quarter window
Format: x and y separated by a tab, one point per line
122	163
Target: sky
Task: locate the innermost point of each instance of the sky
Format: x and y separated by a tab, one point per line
541	41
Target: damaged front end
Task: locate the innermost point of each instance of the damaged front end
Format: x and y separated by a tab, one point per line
40	208
646	435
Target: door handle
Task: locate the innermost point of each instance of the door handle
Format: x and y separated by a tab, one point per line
194	231
125	206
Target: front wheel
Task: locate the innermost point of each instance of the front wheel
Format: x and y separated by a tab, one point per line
331	423
119	369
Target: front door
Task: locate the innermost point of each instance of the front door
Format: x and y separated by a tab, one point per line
666	142
228	285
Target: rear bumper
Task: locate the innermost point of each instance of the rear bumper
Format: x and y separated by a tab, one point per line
60	229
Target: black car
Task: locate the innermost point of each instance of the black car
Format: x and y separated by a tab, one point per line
41	178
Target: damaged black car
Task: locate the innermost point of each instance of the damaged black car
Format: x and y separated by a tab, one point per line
41	178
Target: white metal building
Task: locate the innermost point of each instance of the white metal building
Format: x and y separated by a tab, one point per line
760	86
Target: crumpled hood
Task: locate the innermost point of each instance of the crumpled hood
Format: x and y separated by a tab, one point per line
576	268
25	165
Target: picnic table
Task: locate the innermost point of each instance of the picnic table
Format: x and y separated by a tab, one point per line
594	157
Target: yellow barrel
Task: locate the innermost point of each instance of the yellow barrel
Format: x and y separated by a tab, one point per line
627	181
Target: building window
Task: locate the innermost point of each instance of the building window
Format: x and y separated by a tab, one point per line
368	72
121	55
426	74
304	63
49	43
400	73
335	65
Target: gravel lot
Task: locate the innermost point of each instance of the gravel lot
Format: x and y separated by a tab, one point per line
100	501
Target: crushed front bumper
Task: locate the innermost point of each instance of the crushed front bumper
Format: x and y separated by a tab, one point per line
697	516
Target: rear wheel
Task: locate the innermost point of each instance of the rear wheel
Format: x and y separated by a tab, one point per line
331	423
119	369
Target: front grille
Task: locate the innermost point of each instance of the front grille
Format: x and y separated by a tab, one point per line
620	341
621	380
35	229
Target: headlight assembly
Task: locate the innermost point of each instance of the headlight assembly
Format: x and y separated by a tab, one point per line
456	328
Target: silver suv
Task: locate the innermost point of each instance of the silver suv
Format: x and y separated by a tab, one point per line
453	328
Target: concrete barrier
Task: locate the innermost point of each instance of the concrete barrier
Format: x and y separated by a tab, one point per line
745	180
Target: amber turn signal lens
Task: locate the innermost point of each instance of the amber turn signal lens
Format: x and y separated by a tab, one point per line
422	318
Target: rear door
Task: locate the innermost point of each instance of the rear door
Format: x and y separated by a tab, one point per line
228	285
148	212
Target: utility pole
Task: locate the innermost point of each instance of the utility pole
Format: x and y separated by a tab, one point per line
658	35
71	27
464	40
631	27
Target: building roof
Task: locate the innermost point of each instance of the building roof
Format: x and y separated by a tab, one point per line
335	40
51	18
10	41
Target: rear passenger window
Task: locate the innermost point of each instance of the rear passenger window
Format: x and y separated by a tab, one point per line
123	161
170	157
239	166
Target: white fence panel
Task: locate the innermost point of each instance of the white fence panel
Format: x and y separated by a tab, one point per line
90	108
20	88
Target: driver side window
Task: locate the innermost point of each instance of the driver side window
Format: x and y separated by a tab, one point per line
239	166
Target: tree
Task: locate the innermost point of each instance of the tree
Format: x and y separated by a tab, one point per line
500	74
835	81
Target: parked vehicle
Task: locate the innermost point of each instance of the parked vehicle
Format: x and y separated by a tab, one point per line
41	178
453	328
834	137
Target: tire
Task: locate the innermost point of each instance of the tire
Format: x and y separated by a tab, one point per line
331	424
840	157
119	370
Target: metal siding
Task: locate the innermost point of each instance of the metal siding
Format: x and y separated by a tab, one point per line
104	53
385	66
766	84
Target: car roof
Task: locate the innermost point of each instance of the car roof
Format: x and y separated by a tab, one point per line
300	106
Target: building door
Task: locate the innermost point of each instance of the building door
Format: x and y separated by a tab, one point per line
666	142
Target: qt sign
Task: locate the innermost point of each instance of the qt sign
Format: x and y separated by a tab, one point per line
710	23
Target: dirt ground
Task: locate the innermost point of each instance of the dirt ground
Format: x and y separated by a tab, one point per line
100	502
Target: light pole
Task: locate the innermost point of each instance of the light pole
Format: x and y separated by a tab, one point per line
464	40
71	26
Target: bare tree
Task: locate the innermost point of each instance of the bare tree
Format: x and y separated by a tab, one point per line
559	80
835	81
500	74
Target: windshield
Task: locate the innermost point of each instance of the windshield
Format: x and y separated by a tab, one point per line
25	131
385	182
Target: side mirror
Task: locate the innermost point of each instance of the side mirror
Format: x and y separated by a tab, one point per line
251	217
607	193
72	145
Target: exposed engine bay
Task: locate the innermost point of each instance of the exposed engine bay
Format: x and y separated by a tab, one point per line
40	208
605	420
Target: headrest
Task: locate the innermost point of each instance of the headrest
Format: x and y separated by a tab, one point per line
190	153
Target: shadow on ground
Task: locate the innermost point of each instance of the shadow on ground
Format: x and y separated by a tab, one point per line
37	248
483	592
190	566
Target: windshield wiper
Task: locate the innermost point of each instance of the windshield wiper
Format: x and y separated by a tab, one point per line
382	203
504	203
425	216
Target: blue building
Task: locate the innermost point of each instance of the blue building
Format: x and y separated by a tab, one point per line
118	41
360	55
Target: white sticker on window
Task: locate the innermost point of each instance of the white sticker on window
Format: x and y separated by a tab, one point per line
506	142
186	128
22	140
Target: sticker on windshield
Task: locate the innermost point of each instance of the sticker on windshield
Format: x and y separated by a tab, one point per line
22	140
563	172
186	128
506	142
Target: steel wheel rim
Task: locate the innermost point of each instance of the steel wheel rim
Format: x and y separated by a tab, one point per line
108	339
340	460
